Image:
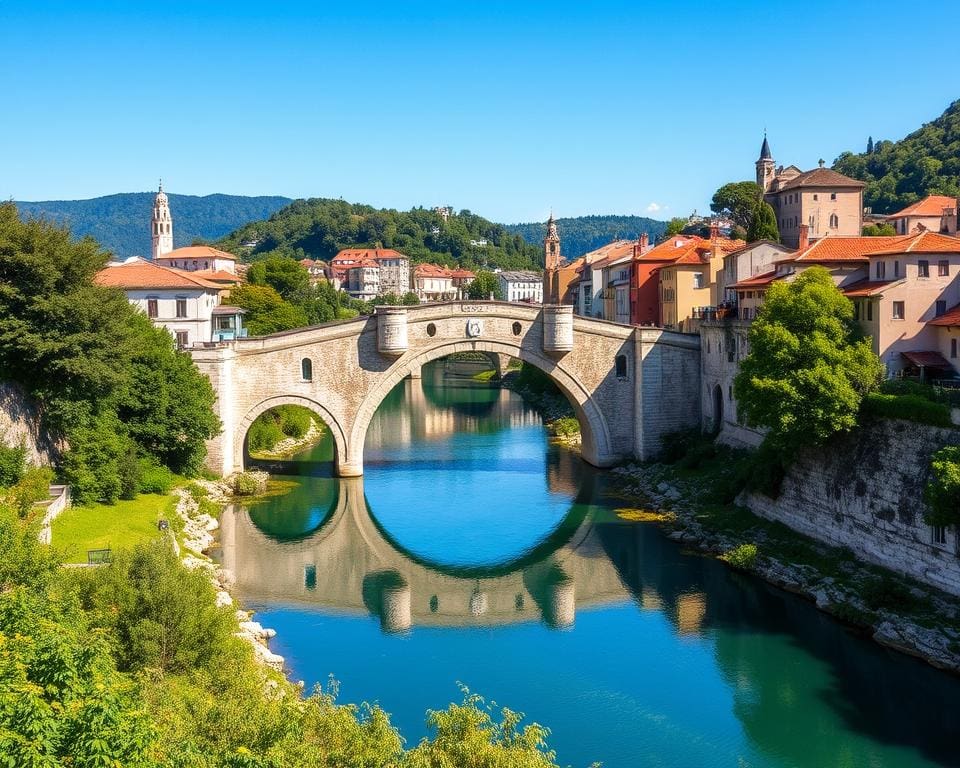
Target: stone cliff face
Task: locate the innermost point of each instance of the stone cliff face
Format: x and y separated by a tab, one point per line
20	422
864	491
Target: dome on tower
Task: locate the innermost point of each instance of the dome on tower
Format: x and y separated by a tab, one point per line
161	195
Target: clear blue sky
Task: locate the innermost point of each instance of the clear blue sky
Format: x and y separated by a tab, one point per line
505	108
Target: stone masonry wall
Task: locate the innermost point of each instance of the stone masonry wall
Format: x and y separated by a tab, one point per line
20	421
864	491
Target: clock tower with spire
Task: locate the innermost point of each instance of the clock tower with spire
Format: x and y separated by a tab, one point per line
161	226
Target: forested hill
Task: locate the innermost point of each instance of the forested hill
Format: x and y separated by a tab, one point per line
121	223
583	234
898	173
319	227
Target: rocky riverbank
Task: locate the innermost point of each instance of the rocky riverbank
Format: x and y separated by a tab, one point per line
894	611
558	415
293	445
194	507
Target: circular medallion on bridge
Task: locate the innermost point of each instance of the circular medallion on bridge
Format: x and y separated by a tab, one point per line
474	327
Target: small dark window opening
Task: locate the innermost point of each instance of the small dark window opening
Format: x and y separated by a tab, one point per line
434	604
517	329
621	366
310	576
306	369
431	330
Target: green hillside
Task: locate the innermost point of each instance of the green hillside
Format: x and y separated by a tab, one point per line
898	173
583	234
121	223
319	227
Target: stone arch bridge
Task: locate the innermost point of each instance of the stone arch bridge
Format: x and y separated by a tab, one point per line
628	385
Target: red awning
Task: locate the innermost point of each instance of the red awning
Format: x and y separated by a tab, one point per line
927	359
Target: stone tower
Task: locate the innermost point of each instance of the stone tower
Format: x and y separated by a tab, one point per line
551	246
765	166
161	227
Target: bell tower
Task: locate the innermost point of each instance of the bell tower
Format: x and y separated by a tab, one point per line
551	246
161	226
765	166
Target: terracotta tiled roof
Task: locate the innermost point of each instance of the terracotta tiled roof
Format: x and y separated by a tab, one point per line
139	273
433	270
921	242
364	254
821	177
831	249
607	253
949	318
197	252
927	359
688	249
216	275
868	288
932	205
757	280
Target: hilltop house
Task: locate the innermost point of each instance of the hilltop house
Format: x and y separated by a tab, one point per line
934	213
378	271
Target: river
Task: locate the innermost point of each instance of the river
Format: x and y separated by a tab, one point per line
474	551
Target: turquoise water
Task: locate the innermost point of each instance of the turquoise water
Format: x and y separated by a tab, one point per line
473	551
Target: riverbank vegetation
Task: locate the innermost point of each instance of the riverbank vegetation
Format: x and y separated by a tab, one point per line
134	664
107	381
283	425
539	390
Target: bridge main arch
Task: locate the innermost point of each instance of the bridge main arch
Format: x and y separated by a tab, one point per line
594	430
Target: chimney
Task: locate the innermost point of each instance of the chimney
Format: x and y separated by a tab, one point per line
644	241
804	240
714	231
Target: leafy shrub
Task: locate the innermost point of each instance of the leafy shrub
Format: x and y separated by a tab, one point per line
294	420
675	445
742	557
248	483
698	454
34	486
942	493
276	425
155	478
566	426
912	407
13	463
883	592
128	471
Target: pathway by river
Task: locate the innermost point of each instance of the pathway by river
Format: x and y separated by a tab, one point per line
473	550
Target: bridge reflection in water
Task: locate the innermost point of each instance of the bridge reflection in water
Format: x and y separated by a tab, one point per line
350	563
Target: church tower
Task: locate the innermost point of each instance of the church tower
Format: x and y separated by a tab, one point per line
551	246
161	227
765	166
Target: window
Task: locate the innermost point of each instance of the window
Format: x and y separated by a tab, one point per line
310	576
815	196
943	268
181	308
953	349
183	338
898	310
151	308
834	221
869	310
941	307
923	268
896	269
833	195
856	310
698	279
306	369
940	535
621	366
881	270
730	392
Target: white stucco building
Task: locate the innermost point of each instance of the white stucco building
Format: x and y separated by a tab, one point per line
521	286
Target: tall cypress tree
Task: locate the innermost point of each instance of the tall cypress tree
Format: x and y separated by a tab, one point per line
764	224
870	145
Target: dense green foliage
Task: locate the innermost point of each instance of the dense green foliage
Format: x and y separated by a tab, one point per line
879	230
942	493
582	234
121	223
742	557
764	224
908	407
484	285
106	379
13	463
738	200
675	226
898	173
277	424
132	664
807	370
319	228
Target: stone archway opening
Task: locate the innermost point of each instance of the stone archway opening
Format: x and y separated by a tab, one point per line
274	415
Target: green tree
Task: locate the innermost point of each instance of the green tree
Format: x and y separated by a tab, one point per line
286	276
675	226
410	299
764	224
484	285
942	492
808	369
737	200
267	311
879	230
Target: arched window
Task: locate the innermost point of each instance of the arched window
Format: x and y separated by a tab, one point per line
306	369
621	366
834	221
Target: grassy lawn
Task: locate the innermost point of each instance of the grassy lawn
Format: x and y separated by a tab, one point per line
117	526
